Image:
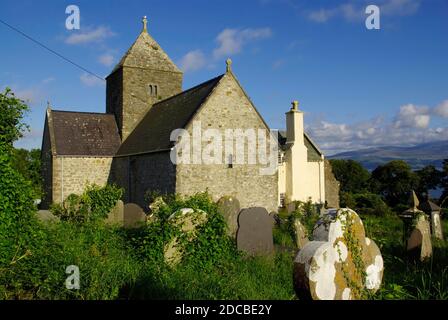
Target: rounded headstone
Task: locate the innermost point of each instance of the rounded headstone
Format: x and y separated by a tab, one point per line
254	234
134	217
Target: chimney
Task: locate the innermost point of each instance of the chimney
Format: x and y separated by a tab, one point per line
294	125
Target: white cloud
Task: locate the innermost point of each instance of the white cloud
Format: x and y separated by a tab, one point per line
90	80
89	35
442	109
232	41
107	59
193	60
354	11
413	116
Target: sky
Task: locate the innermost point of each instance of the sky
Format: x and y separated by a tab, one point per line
357	87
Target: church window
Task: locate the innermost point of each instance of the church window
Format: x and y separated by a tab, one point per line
281	157
282	200
230	161
153	90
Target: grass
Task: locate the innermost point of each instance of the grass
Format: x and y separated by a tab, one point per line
111	268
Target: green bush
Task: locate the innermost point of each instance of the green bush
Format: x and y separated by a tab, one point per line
17	214
372	204
94	204
308	213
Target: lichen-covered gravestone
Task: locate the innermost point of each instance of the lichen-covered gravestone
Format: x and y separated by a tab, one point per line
134	216
254	234
229	207
187	220
300	234
116	215
341	263
420	238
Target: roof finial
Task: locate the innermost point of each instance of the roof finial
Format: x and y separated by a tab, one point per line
48	105
145	24
229	65
295	105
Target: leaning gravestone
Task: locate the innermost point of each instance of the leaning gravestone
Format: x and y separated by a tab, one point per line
46	216
116	215
436	225
300	234
187	220
254	234
419	241
229	207
134	216
341	263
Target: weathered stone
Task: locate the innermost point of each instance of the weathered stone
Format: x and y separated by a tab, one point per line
46	216
436	224
229	207
419	241
134	216
331	186
300	234
116	215
188	220
291	207
341	264
155	206
254	234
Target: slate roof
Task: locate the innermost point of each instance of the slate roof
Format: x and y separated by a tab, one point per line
153	132
84	133
314	153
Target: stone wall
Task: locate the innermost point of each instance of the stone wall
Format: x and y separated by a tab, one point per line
129	96
144	173
331	187
73	174
229	108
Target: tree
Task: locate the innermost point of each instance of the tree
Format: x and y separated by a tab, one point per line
394	180
12	111
429	178
352	176
444	183
28	164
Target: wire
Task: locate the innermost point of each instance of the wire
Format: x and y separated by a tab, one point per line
51	50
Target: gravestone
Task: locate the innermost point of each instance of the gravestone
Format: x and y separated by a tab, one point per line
46	216
134	217
188	220
341	263
436	225
254	234
419	242
291	207
229	207
300	234
116	215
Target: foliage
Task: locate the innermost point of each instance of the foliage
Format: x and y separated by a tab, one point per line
17	213
94	204
394	181
369	203
429	178
353	177
28	164
308	213
105	260
11	126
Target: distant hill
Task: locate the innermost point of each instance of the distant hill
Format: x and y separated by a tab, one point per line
418	156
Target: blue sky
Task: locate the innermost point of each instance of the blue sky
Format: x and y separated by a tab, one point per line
358	87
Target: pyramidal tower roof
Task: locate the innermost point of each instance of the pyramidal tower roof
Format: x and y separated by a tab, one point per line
146	53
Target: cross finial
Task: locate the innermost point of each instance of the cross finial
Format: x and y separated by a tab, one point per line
295	105
229	65
145	23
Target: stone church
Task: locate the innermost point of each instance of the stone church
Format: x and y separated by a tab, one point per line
130	144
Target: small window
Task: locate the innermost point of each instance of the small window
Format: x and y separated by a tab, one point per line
152	89
281	157
282	200
230	161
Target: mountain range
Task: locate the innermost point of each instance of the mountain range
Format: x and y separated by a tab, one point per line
418	156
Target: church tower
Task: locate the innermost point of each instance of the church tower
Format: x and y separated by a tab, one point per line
143	77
